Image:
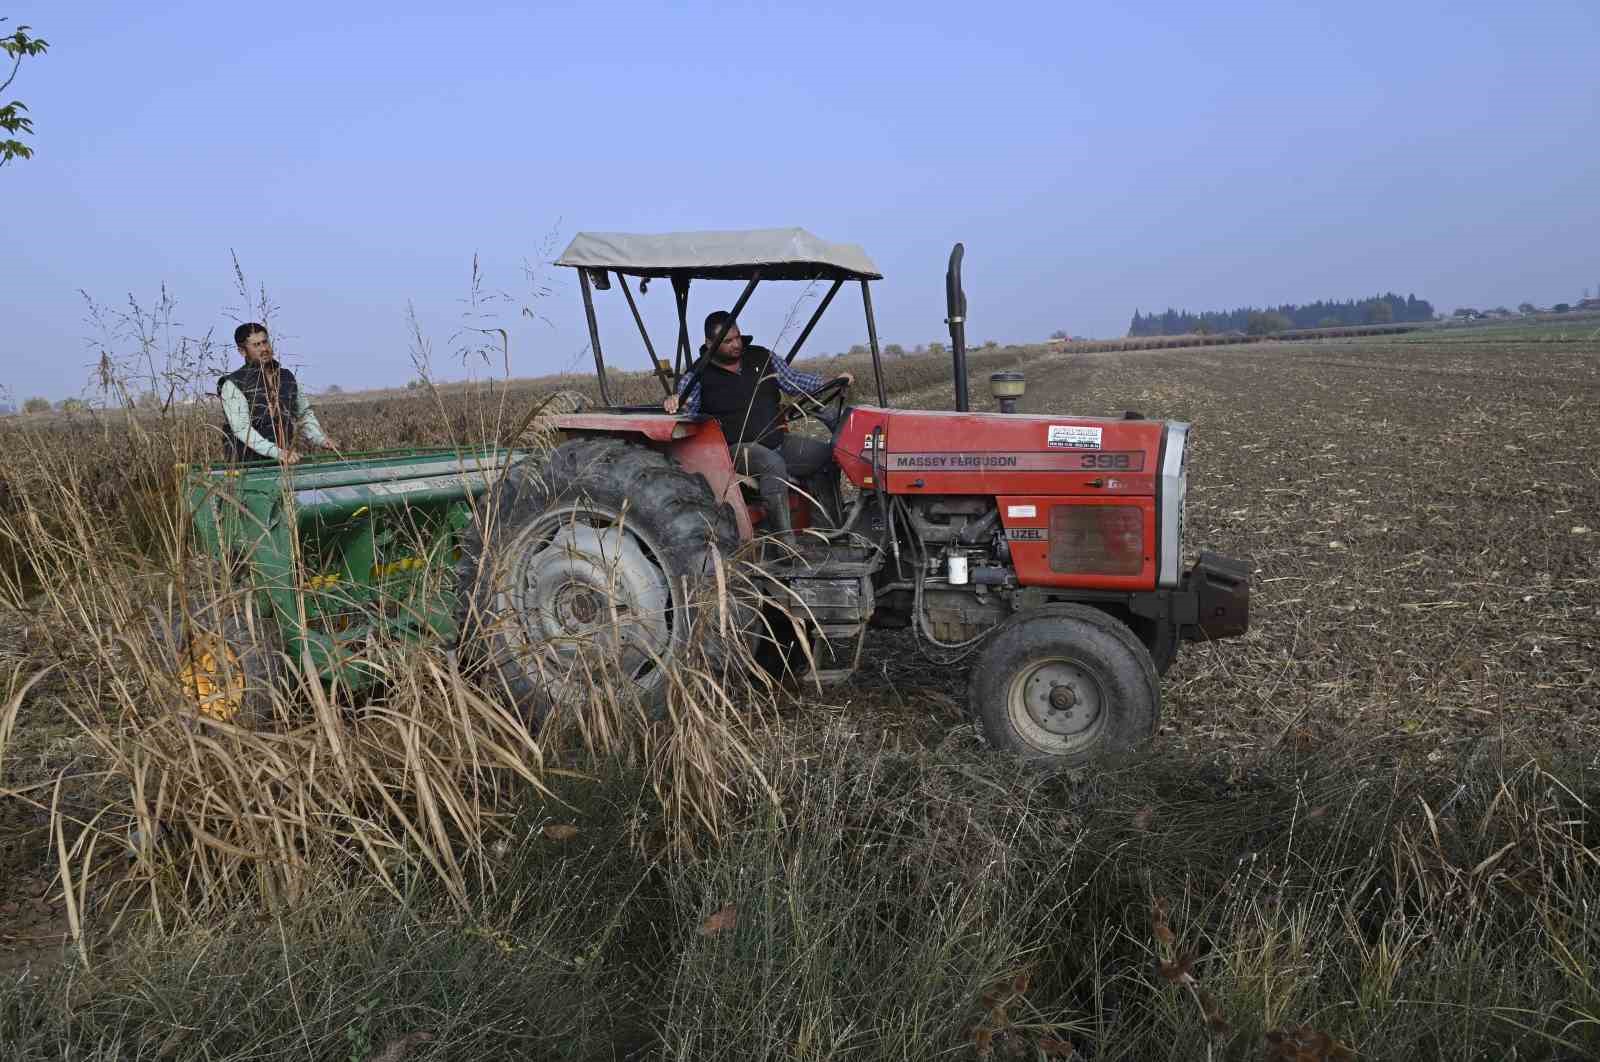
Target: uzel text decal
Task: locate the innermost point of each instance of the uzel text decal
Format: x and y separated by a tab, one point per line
1097	461
1073	435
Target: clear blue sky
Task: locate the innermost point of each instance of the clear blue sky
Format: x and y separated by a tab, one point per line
1094	158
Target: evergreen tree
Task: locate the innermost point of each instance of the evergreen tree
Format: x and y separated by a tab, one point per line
1324	313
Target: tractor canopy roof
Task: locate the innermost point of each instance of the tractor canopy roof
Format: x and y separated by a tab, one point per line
774	254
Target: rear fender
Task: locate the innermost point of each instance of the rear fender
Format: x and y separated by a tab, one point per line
657	427
695	445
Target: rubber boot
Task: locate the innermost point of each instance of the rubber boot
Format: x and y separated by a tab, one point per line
778	524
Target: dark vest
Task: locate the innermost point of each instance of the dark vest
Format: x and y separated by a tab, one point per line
745	403
252	383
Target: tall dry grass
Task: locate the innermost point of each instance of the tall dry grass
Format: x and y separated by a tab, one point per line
409	780
934	903
170	816
838	896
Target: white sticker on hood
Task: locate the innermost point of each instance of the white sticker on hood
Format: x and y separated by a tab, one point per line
1083	438
1022	512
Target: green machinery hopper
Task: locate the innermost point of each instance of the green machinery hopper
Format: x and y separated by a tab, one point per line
336	552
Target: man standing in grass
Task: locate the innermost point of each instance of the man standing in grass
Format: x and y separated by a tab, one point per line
257	399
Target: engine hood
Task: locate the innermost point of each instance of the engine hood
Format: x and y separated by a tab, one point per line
940	452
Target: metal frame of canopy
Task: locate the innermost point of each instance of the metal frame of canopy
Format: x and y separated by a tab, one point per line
595	271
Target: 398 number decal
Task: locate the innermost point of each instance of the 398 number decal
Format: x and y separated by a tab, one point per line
1117	462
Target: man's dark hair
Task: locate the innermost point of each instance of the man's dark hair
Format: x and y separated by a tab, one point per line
714	322
245	331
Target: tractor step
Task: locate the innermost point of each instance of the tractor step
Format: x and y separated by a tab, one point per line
836	648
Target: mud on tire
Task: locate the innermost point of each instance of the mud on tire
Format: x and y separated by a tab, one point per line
563	540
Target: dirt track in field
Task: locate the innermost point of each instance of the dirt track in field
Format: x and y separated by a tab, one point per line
1422	514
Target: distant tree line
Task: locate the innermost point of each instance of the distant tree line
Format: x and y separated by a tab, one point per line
1388	308
898	350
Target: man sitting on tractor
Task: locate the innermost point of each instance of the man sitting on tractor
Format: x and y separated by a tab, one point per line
255	398
738	384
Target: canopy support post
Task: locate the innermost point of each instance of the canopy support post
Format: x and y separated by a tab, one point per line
666	385
685	356
872	339
594	336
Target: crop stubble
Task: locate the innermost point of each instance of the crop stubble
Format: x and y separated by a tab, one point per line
1422	517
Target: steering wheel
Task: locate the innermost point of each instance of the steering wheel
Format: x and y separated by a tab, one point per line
817	402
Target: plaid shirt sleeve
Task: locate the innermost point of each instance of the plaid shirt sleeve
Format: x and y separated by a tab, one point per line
792	381
689	395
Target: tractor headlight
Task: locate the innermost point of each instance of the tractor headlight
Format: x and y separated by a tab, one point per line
1173	487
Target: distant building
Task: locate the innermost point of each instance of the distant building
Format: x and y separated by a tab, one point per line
1588	304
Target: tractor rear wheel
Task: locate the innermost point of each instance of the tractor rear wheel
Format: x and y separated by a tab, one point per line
592	565
1064	683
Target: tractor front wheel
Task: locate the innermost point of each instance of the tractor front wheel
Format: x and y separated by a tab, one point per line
1065	683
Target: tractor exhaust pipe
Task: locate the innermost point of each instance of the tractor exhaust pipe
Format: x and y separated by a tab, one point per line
956	309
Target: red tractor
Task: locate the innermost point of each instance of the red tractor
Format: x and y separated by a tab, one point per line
1044	550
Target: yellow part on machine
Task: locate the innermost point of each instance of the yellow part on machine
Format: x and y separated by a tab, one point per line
212	677
404	564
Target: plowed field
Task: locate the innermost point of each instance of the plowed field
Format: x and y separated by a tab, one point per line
1422	515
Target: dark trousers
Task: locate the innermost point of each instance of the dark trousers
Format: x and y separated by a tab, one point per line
806	462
